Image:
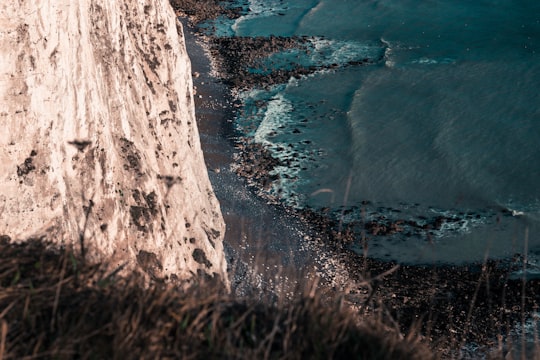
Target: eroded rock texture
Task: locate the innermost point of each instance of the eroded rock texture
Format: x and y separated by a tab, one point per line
99	147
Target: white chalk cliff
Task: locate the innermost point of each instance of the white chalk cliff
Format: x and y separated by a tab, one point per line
99	147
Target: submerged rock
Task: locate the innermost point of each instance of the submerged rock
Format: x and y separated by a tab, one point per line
99	147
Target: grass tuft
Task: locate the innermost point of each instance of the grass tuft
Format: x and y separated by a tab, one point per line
54	305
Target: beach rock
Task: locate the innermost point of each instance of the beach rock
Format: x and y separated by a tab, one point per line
99	148
199	11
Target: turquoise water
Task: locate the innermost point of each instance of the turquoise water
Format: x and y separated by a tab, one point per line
445	121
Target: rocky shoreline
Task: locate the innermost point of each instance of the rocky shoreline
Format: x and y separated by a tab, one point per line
454	307
267	245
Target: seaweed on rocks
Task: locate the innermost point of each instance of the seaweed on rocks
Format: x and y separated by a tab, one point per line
241	54
199	11
256	164
244	60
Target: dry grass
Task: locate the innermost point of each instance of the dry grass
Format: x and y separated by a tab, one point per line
53	305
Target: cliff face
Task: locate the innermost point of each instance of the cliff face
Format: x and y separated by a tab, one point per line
99	147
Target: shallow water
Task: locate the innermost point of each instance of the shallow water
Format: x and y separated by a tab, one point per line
444	121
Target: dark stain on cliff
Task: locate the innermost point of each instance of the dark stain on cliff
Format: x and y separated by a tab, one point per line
200	257
141	217
151	201
172	106
169	180
27	166
131	156
145	210
213	235
81	145
149	262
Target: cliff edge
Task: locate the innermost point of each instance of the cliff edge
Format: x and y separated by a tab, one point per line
99	147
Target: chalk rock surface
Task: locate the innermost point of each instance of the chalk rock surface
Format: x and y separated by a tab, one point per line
99	147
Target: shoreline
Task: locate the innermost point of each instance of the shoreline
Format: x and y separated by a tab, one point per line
469	304
266	245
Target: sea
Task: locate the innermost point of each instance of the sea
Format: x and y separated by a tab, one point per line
442	122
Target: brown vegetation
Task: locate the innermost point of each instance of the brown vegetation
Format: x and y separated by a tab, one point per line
54	305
